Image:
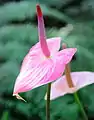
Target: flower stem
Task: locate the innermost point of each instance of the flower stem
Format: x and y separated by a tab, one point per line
80	105
48	102
71	85
68	76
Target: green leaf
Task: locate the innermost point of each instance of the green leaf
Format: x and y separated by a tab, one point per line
8	73
22	10
5	115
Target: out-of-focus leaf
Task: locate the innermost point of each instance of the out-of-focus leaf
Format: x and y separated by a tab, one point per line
5	115
8	73
21	11
57	3
21	33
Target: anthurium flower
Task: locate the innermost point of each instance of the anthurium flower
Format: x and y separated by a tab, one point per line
80	79
44	63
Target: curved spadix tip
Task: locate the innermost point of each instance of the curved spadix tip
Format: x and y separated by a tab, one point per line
39	11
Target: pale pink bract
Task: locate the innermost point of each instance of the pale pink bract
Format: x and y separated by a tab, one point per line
80	79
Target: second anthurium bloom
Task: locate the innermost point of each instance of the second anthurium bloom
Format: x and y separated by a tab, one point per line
80	79
44	63
71	82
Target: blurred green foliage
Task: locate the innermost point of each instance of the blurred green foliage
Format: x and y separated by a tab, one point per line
70	19
5	116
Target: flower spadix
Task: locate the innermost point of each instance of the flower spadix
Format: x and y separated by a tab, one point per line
44	63
71	82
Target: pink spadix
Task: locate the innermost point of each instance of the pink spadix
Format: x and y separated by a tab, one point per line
42	35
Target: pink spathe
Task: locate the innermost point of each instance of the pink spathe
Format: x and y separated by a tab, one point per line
38	70
80	79
44	63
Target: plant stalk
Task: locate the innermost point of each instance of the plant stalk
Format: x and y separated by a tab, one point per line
71	85
48	102
80	105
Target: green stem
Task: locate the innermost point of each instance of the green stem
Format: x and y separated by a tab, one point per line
80	105
48	102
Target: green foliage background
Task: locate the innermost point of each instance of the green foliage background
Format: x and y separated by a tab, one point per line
73	20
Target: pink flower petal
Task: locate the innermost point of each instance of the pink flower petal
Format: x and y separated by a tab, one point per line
54	45
38	76
66	55
43	63
33	58
80	80
35	77
49	70
85	78
59	88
